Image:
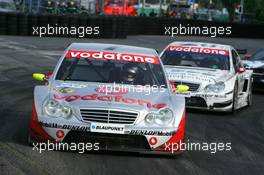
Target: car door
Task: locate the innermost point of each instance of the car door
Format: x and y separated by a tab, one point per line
239	70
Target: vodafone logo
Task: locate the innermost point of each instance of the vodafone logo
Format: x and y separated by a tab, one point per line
107	98
112	91
112	56
198	50
60	134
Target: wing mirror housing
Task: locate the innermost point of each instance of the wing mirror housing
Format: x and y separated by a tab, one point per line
42	77
39	76
179	88
182	88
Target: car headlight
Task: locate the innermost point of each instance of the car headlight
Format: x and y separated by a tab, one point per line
162	117
216	88
54	109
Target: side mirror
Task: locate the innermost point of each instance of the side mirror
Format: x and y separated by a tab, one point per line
182	88
241	70
39	77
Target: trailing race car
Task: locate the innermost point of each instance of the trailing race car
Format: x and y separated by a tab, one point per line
256	63
99	93
214	73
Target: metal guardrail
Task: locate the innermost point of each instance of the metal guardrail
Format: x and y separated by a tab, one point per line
114	26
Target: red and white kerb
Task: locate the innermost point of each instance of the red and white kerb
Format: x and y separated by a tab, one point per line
112	56
198	50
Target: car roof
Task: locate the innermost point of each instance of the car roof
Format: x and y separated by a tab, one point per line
201	45
112	48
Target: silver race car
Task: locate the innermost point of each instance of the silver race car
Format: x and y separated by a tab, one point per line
214	73
114	96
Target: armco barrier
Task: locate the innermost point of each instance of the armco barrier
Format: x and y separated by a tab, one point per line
22	24
156	26
113	26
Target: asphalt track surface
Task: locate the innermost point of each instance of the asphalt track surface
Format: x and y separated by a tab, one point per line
21	56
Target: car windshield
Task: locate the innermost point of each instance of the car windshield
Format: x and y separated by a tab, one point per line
191	59
259	56
111	71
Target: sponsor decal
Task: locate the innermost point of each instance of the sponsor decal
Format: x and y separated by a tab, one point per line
151	132
153	141
210	95
111	91
66	90
71	85
60	134
112	56
106	98
61	126
63	90
180	75
107	128
198	50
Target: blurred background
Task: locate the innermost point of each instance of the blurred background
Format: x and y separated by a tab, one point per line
238	11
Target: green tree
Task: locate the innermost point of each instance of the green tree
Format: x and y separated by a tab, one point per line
260	10
230	5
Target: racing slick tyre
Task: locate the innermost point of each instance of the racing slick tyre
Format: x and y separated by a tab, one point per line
235	98
249	98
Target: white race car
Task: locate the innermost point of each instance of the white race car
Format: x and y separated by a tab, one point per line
214	73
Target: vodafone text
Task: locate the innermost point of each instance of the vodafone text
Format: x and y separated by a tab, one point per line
212	31
112	56
198	50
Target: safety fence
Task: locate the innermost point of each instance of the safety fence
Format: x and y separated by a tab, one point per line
114	26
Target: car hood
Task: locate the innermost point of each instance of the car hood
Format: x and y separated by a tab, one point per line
196	75
253	64
93	95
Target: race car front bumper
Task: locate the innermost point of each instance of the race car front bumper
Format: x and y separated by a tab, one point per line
216	102
58	133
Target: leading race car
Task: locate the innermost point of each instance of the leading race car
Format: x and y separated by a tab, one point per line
115	96
214	73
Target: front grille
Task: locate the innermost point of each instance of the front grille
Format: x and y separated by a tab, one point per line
195	102
109	141
109	116
193	86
